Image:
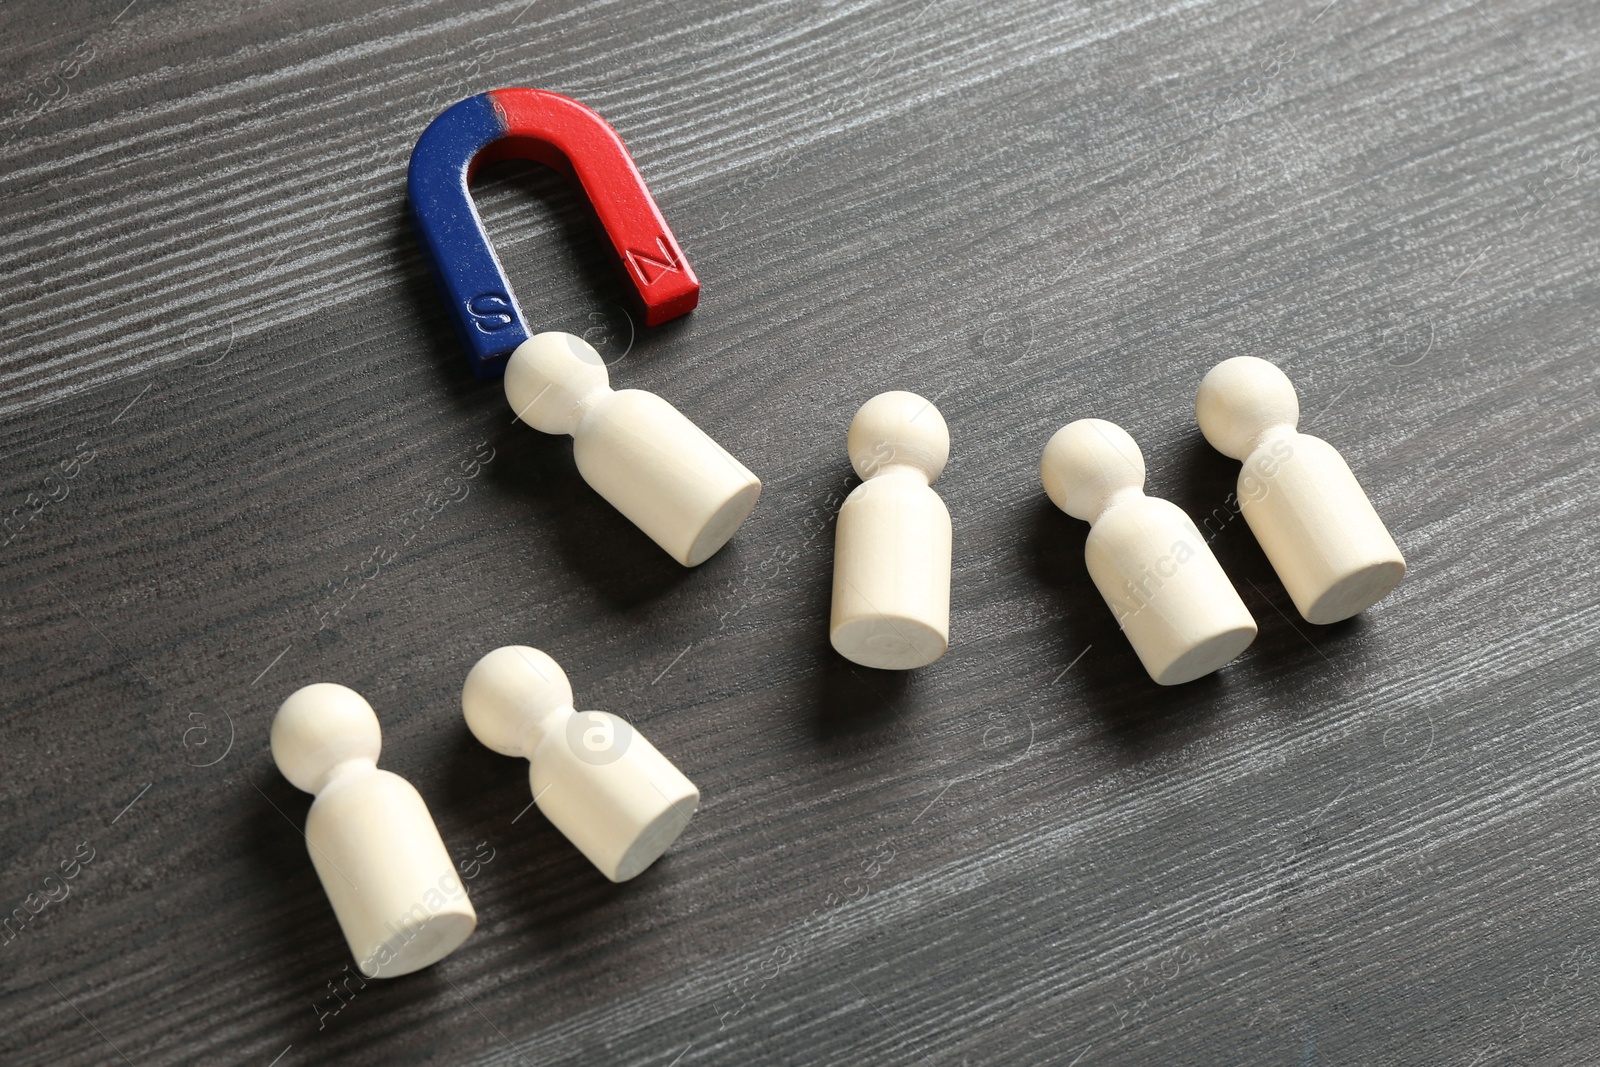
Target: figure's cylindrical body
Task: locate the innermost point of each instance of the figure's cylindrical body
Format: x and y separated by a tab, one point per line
1169	594
664	473
393	887
1331	551
891	573
610	792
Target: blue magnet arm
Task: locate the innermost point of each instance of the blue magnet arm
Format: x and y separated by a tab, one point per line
470	277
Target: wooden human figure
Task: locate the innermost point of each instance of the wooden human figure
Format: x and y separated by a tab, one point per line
1314	522
891	557
638	451
393	888
605	787
1147	558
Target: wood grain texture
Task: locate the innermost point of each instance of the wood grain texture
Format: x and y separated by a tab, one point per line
1365	843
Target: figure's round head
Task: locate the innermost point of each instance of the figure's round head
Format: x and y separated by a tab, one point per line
898	429
320	727
508	692
551	378
1240	399
1086	463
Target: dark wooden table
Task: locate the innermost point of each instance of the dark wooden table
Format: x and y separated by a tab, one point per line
243	453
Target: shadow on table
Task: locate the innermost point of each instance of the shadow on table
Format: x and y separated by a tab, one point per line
536	473
1097	664
1304	661
532	469
540	893
854	705
299	944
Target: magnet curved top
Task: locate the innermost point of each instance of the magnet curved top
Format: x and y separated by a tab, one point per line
561	133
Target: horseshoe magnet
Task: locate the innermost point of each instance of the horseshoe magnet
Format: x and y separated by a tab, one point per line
551	129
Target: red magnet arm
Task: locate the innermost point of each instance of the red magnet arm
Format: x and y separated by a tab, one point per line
552	129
